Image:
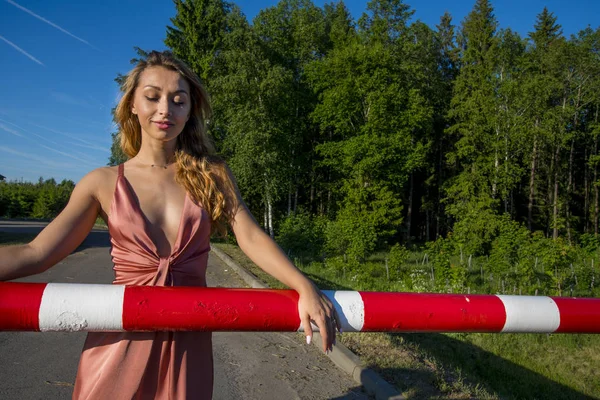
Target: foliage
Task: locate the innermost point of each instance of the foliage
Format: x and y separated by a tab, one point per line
302	236
352	233
116	154
43	200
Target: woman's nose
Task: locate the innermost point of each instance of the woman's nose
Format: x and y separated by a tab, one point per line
164	107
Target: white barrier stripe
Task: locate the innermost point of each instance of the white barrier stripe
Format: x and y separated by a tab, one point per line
350	310
536	314
75	307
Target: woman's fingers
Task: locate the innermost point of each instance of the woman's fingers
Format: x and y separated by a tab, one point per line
324	331
338	323
307	328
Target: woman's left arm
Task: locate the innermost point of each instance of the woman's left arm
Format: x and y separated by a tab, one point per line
264	252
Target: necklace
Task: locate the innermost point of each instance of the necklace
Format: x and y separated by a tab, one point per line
161	166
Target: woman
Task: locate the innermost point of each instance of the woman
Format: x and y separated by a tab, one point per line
161	207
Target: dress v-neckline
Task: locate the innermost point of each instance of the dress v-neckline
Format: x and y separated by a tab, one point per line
136	204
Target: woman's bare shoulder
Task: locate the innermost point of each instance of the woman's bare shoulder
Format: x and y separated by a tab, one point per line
100	180
103	172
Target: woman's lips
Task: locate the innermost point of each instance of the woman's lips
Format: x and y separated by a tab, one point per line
163	125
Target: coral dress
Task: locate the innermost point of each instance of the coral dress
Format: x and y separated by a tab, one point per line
150	365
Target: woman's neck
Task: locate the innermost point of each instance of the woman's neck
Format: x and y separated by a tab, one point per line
156	154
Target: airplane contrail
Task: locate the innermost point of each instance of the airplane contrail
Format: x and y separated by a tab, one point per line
50	23
7	129
91	164
41	160
4	127
21	50
83	143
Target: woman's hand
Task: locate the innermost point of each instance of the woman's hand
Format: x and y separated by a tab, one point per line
314	306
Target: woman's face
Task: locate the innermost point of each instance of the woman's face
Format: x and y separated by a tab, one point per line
162	103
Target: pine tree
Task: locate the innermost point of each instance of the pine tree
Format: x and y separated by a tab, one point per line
197	34
539	89
473	195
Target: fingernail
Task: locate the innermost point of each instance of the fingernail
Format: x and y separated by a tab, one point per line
308	339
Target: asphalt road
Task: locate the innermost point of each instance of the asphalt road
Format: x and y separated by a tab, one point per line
267	365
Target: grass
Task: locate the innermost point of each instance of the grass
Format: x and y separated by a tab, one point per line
238	255
100	223
459	365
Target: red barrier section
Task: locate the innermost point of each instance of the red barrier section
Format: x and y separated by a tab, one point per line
578	315
414	312
161	308
20	305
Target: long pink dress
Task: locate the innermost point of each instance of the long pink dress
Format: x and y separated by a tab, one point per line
152	365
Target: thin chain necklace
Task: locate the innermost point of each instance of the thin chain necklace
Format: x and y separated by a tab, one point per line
161	166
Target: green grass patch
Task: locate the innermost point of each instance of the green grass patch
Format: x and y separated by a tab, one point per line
459	365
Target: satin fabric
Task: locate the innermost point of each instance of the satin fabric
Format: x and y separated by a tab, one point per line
150	365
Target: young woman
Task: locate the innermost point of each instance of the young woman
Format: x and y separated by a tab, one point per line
161	207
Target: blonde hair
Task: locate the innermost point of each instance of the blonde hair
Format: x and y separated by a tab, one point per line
203	175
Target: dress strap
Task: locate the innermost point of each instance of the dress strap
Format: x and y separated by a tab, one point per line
121	169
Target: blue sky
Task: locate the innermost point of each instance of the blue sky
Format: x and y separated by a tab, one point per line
59	59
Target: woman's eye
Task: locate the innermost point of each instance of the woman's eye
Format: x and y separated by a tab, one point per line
152	98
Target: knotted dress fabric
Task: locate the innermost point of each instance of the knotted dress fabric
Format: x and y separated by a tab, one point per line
150	365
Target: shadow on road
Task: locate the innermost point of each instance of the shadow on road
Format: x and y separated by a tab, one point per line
353	394
15	232
95	239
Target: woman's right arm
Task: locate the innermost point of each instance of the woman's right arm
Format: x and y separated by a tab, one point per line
60	237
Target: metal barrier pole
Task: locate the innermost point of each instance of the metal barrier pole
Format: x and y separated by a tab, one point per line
85	307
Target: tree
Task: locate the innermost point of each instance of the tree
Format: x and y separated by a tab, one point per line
473	194
448	65
373	111
196	36
252	97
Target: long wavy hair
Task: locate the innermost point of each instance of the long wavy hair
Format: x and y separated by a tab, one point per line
203	175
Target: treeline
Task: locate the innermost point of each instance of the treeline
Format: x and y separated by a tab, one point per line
371	132
44	199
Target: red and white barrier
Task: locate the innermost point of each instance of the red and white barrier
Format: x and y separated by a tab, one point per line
77	307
